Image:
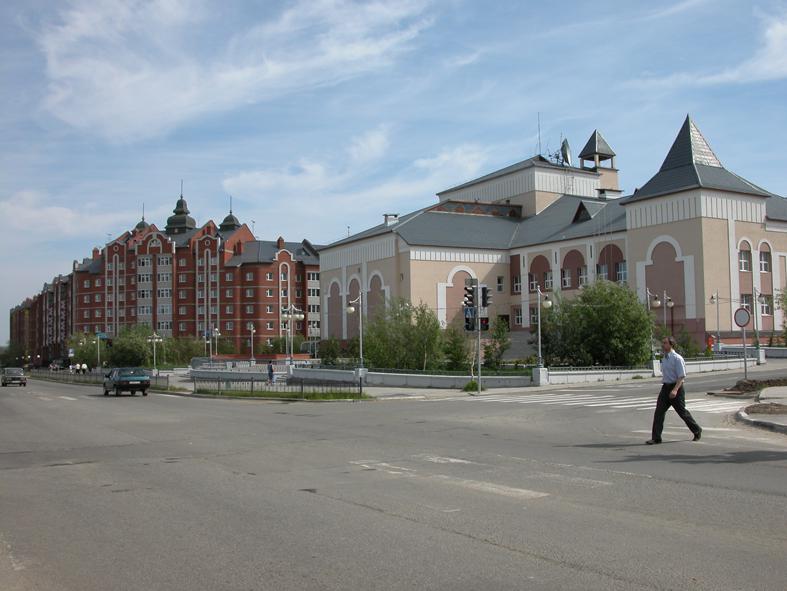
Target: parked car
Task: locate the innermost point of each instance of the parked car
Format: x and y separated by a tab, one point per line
14	375
126	379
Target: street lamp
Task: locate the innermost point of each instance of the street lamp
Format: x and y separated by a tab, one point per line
216	335
351	310
547	304
252	330
154	338
291	313
714	299
759	299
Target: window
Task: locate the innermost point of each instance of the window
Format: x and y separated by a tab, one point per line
532	284
122	313
250	293
165	309
200	310
98	282
86	314
143	262
227	293
518	316
181	262
313	309
298	278
284	293
500	283
200	293
165	277
269	293
110	267
213	294
269	325
582	273
133	265
213	277
201	328
746	301
145	294
229	276
744	260
269	309
164	325
313	276
766	304
86	299
109	282
313	292
200	262
284	276
533	315
229	325
165	260
548	280
565	278
249	276
86	283
182	294
144	277
164	292
97	297
85	328
143	310
133	296
765	261
299	325
602	271
200	278
121	297
109	297
228	309
299	293
182	325
121	266
621	272
269	276
214	310
516	284
133	311
121	281
133	280
182	310
249	309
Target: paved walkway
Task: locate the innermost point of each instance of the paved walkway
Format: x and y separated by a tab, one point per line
774	422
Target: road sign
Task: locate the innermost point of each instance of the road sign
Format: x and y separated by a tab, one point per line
742	317
101	335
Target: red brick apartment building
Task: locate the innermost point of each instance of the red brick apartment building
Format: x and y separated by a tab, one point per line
184	281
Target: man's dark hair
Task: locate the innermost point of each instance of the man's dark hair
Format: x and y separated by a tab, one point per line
672	342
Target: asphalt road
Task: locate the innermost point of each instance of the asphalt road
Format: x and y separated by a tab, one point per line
535	491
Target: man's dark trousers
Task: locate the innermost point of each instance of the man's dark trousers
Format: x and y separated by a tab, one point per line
679	404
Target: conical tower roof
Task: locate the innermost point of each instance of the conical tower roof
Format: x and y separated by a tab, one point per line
180	222
692	164
230	223
596	145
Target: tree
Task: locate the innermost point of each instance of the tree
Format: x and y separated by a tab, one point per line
457	346
329	350
606	324
403	337
498	344
131	347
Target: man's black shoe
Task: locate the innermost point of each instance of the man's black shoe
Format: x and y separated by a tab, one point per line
653	441
697	435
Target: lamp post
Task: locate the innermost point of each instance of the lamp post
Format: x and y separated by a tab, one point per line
216	335
653	302
252	330
154	338
98	352
291	313
351	310
759	299
714	299
547	304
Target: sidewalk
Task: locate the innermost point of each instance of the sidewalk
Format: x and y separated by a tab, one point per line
773	421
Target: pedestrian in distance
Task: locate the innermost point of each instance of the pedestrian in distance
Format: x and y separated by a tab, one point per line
673	373
84	368
270	372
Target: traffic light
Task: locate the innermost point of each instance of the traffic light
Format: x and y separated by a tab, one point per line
486	297
469	301
109	343
469	323
484	324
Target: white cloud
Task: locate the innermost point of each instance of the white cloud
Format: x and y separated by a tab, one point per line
31	218
338	195
370	146
768	63
132	70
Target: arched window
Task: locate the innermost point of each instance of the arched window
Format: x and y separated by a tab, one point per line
744	257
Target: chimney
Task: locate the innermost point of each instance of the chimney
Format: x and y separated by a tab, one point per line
280	243
391	218
96	253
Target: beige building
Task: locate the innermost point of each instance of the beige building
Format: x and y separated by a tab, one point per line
693	231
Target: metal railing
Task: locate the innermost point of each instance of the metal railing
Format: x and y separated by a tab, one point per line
91	377
287	388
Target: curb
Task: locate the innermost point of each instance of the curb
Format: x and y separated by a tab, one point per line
743	417
738	396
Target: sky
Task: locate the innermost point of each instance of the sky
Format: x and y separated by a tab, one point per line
319	116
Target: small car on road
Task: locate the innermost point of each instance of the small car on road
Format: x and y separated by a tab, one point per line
126	379
14	375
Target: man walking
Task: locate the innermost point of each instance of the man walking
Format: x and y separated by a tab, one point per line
673	372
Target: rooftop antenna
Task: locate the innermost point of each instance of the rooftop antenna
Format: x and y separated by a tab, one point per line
143	211
348	231
230	204
181	188
539	133
252	228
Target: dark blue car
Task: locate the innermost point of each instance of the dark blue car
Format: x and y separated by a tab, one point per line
126	379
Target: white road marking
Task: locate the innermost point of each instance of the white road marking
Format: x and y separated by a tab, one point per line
66	398
170	395
441	460
44	398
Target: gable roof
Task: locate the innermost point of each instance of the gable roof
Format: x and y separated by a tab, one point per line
692	164
264	251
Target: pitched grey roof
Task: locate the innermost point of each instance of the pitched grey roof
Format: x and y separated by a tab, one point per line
264	251
776	208
596	145
536	161
691	164
93	266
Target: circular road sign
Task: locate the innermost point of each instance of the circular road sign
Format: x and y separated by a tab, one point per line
742	317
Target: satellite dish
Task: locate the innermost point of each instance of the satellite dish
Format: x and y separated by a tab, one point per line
565	152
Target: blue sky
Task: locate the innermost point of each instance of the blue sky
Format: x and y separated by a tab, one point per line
316	115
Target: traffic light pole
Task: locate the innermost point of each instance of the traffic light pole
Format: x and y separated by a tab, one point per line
478	332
